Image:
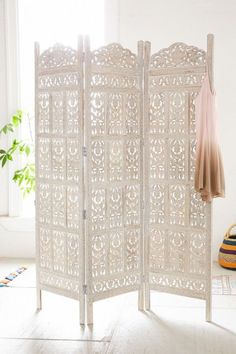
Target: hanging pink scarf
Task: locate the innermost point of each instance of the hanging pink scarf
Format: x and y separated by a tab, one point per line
209	173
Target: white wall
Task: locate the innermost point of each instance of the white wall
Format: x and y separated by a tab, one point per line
9	100
189	21
17	237
16	234
3	109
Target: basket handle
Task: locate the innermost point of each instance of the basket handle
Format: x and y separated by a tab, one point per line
229	230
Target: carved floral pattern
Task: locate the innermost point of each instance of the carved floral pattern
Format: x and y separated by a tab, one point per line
58	56
177	218
114	123
178	55
59	172
114	55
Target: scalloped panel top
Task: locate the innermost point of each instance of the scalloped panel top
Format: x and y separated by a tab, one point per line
58	56
178	55
114	55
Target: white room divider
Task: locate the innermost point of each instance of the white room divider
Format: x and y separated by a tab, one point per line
60	235
177	222
114	133
116	209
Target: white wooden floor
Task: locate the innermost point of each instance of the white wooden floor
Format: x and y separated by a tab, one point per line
176	325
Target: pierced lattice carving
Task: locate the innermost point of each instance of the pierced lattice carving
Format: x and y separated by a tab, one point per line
157	249
59	170
178	55
56	81
65	286
176	215
114	55
158	156
176	81
114	81
58	56
45	246
114	122
44	198
197	248
140	137
182	285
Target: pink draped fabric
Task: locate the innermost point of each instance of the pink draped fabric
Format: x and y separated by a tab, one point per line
209	173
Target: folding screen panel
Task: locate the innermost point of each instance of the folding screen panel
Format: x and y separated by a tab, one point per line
113	118
59	172
177	221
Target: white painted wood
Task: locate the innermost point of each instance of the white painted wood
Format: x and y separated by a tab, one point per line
147	50
87	74
210	60
178	222
210	64
124	207
114	124
80	50
37	191
59	172
141	292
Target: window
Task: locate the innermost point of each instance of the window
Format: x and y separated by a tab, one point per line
48	22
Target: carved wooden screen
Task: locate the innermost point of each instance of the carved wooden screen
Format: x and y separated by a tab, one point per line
59	172
116	209
114	197
177	221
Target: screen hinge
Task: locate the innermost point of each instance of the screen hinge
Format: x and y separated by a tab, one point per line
84	214
85	289
143	204
84	151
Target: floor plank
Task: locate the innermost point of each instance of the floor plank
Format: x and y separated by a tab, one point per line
58	319
178	330
21	346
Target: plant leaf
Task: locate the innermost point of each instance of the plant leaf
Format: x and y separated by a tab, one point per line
27	150
4	160
4	129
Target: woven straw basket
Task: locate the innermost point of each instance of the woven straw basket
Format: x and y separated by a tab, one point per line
227	252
